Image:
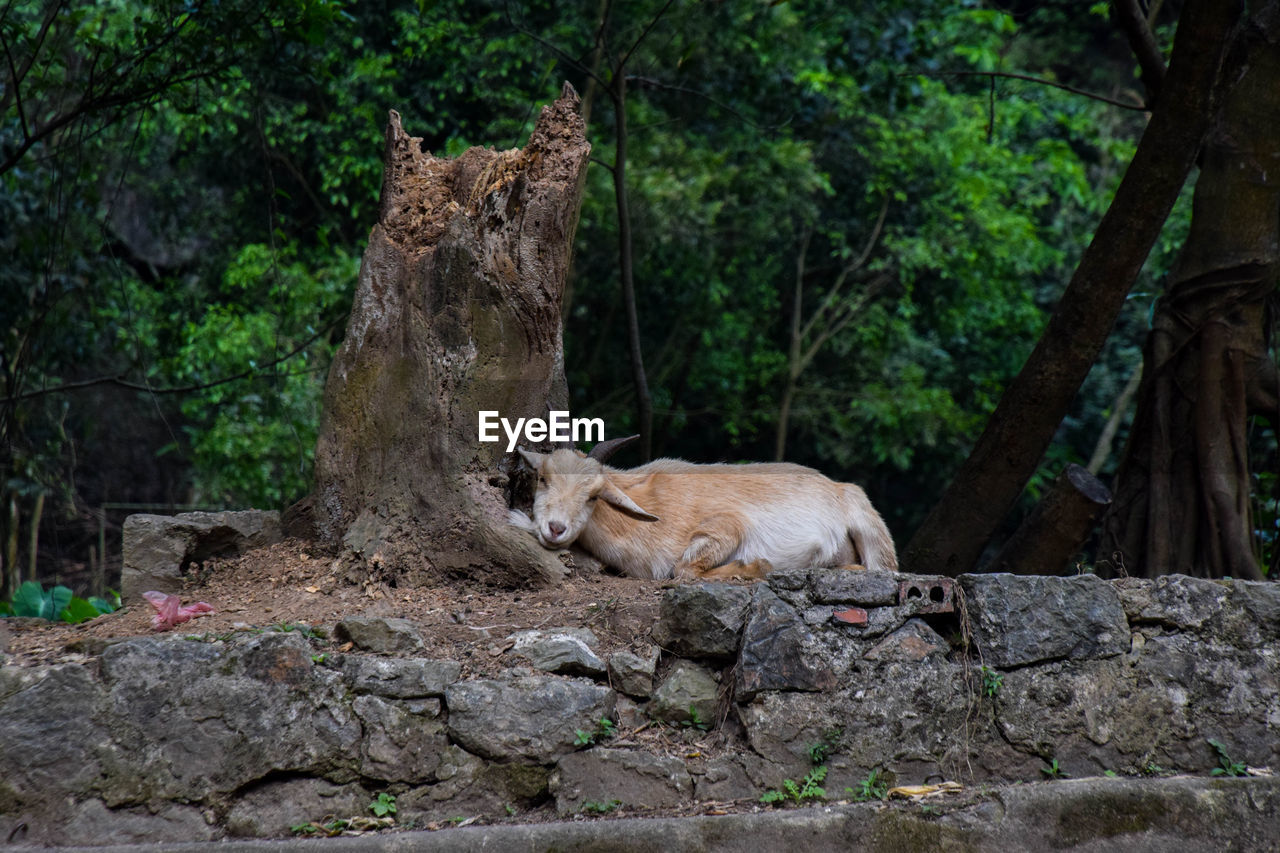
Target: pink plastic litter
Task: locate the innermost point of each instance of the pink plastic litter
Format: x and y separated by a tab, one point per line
170	612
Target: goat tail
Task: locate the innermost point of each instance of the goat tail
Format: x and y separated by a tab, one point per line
868	531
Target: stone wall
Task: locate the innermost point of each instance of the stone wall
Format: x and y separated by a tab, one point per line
991	678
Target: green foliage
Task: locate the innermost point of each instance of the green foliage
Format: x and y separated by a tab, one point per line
383	805
209	225
810	788
604	730
594	807
1226	765
873	787
1053	771
992	681
695	721
56	604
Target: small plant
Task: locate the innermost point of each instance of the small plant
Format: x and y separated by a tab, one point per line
57	604
1226	767
992	681
384	805
874	787
1053	771
1111	774
511	810
594	807
1152	769
604	730
797	792
695	720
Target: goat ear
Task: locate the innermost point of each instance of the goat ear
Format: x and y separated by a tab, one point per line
533	459
617	498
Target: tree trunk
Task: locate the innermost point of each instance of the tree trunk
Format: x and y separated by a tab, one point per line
1056	529
1182	491
457	311
644	400
1006	455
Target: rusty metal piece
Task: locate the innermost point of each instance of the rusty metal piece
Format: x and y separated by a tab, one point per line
851	616
930	595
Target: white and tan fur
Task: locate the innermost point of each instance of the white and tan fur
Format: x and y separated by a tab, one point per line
675	518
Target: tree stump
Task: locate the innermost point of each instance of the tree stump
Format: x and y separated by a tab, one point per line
457	310
1058	526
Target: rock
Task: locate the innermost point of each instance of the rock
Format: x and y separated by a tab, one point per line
403	739
1019	619
195	719
914	641
159	550
722	779
271	808
778	650
397	678
703	620
564	651
56	739
867	587
471	786
376	634
632	674
1176	601
636	780
689	694
533	718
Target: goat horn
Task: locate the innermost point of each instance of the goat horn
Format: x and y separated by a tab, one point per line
605	449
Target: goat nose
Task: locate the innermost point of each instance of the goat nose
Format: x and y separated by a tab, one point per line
556	528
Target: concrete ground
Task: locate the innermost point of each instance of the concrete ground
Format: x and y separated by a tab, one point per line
1186	814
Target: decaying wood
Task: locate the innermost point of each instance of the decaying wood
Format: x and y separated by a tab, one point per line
457	310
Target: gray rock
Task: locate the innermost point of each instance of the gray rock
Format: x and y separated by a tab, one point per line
632	674
159	550
689	694
397	678
1175	601
376	634
403	740
532	718
472	786
636	780
1019	619
56	740
271	808
562	651
722	779
914	641
196	719
867	587
703	620
778	650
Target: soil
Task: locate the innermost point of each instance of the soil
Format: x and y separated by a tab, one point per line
292	584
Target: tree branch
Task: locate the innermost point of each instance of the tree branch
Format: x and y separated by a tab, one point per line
182	389
1044	81
1143	44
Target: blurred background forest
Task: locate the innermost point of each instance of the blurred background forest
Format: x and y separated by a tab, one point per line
846	235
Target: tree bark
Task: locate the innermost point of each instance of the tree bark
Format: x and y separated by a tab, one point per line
989	482
457	310
1183	489
1056	529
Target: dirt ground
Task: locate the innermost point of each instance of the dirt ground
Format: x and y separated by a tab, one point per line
289	585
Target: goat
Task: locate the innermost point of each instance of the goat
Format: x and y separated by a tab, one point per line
672	518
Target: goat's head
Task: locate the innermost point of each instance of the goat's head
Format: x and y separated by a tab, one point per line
569	485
